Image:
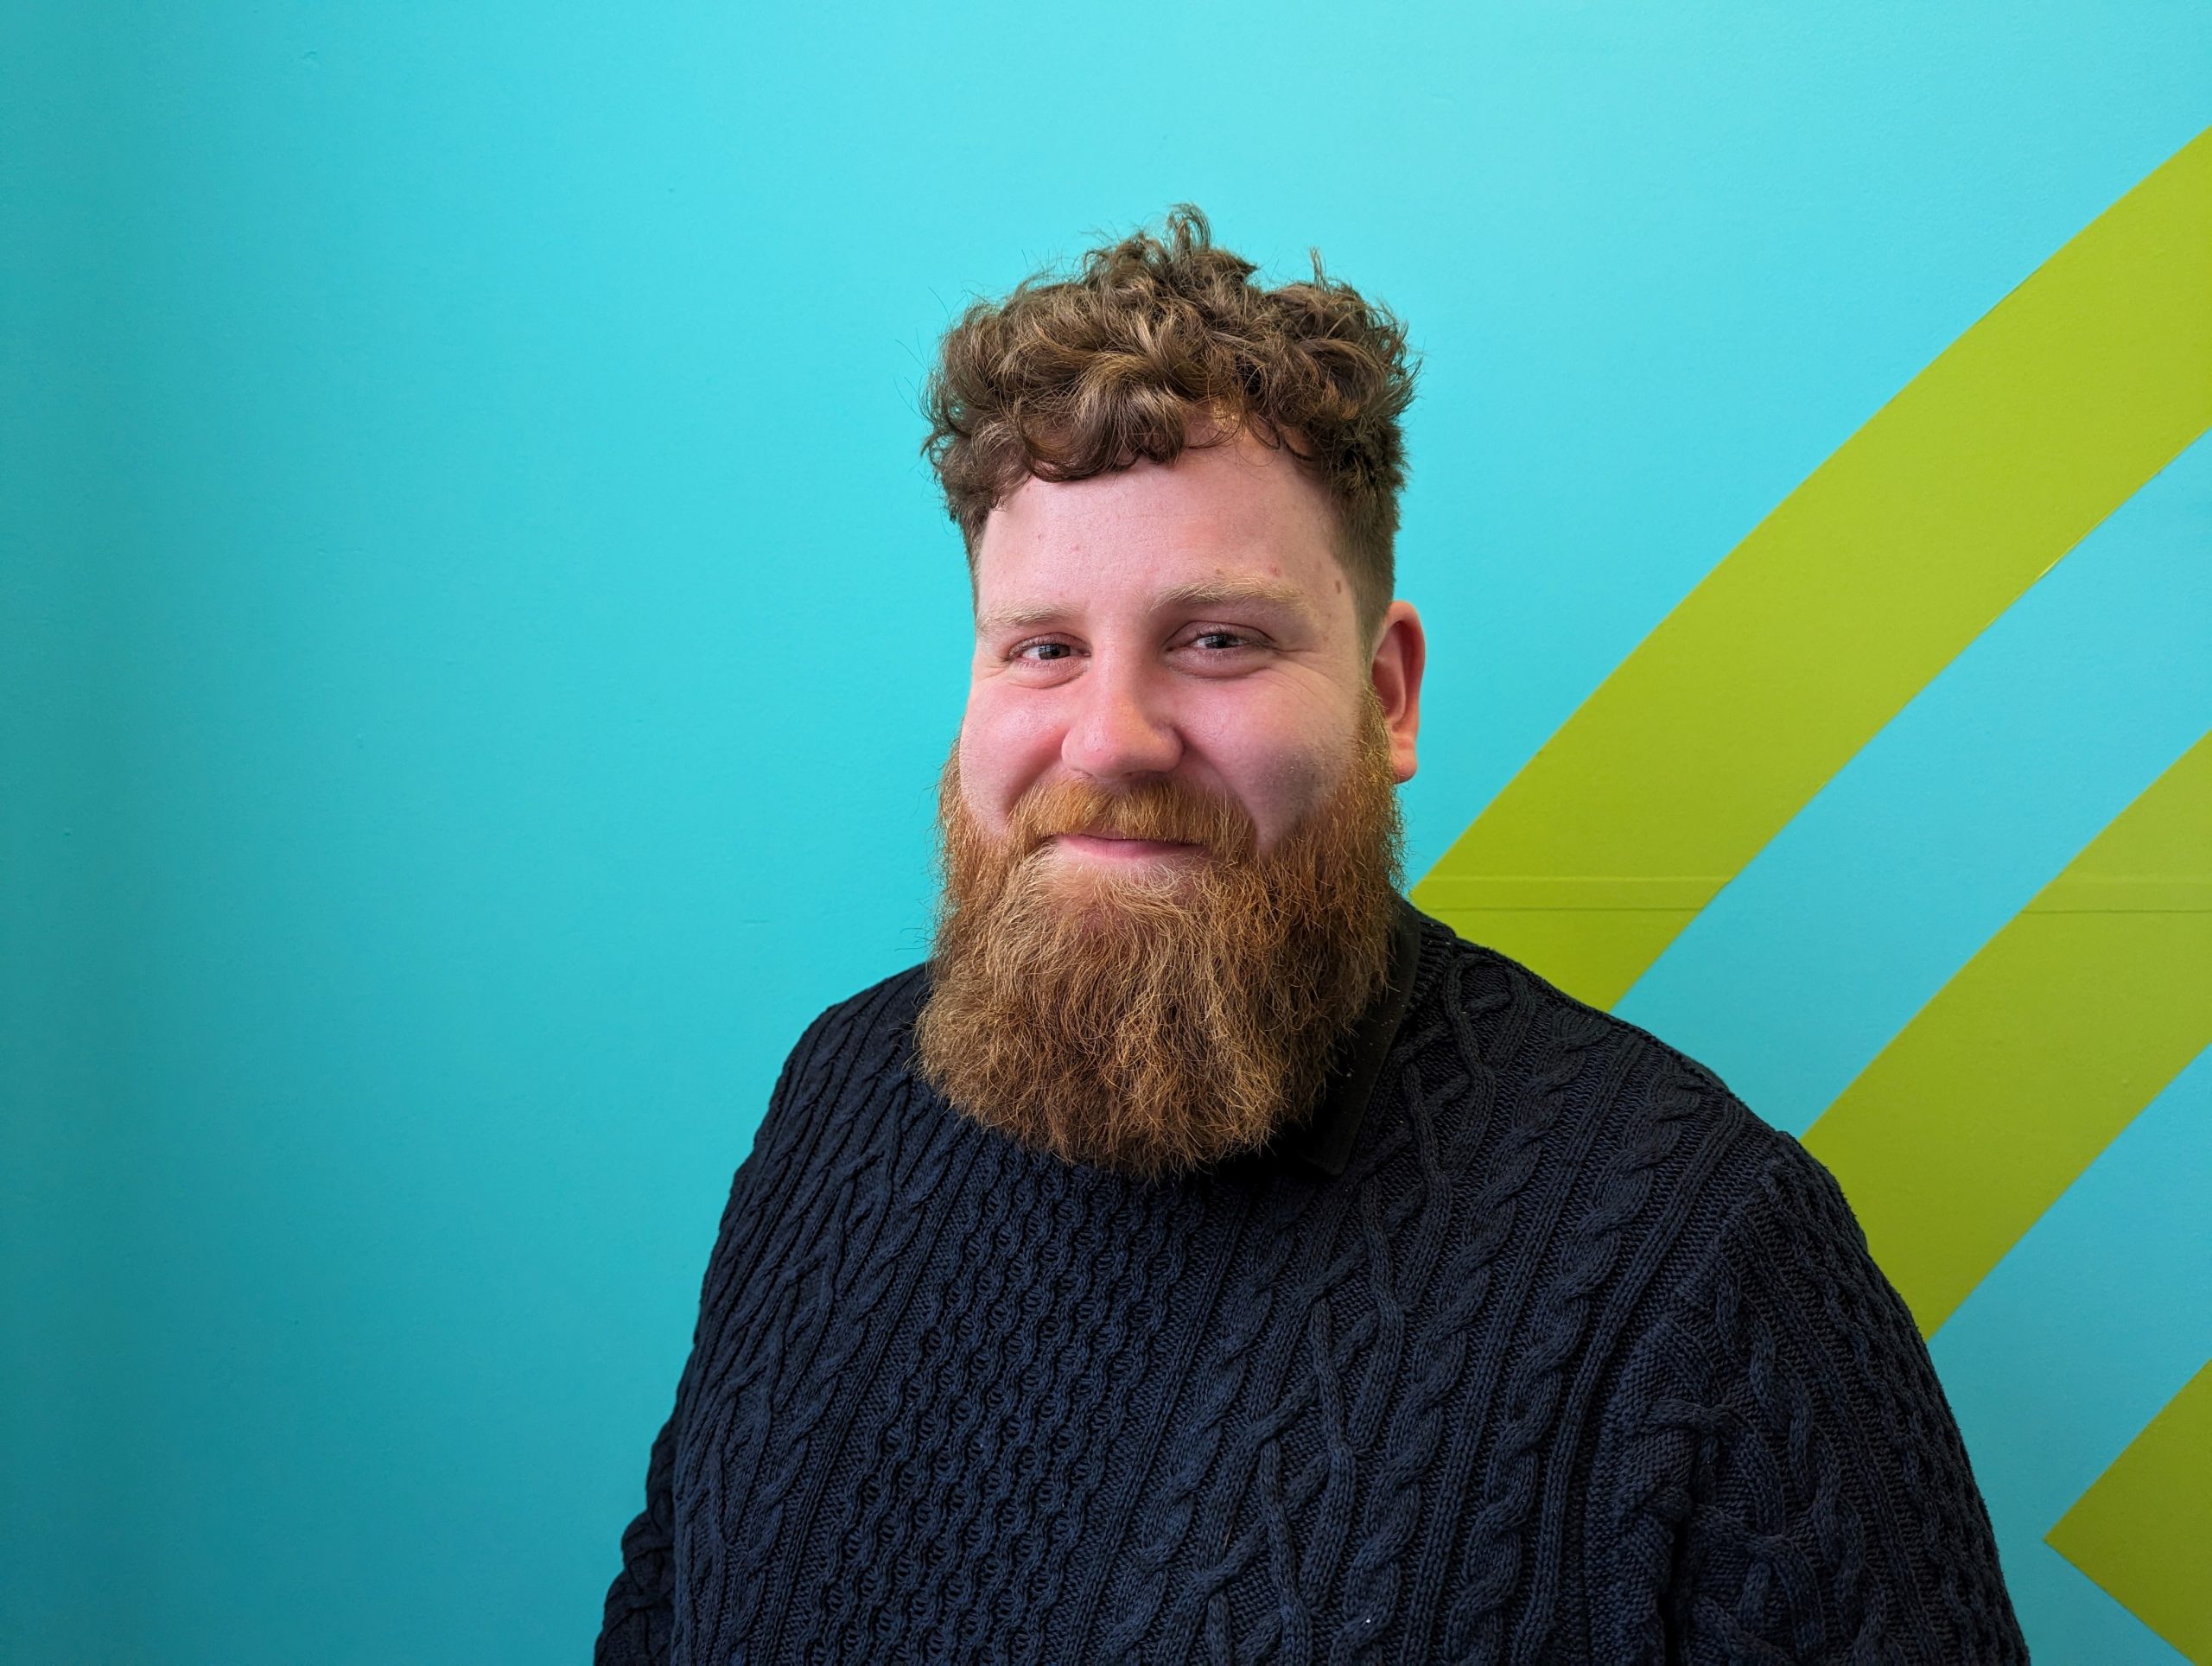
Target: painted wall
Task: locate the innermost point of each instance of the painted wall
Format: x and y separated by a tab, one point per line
476	642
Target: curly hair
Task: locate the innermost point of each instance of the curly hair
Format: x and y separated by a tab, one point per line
1157	343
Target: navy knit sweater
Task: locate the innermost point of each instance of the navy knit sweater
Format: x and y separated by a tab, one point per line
1532	1343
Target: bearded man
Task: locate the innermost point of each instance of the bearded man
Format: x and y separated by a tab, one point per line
1205	1256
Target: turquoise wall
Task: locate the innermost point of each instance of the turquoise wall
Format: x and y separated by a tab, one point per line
476	642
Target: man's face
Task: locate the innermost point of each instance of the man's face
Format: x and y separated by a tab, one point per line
1170	828
1185	624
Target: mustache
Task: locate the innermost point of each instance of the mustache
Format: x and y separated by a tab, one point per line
1167	811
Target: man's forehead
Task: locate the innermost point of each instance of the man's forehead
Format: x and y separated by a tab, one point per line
1216	527
1226	483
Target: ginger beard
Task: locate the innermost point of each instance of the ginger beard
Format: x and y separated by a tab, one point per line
1159	1016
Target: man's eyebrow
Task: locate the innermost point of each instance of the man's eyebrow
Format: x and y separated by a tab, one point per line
1212	593
1234	592
1018	619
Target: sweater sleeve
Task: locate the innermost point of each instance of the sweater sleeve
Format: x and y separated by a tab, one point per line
1780	1477
638	1624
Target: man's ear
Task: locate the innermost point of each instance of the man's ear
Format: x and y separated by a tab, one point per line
1401	654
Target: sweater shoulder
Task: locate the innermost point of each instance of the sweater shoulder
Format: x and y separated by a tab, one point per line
1743	1211
882	1014
1748	1201
1587	1024
846	1054
1545	1042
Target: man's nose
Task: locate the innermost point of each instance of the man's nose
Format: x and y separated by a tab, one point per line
1120	730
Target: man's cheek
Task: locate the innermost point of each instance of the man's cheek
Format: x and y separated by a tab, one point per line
998	771
1284	790
983	787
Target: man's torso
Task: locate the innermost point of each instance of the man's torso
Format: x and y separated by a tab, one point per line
954	1400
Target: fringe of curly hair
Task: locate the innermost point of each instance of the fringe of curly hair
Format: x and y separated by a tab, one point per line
1160	342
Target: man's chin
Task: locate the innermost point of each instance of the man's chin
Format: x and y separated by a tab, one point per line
1077	874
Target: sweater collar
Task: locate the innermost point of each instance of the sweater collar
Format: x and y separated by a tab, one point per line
1325	1139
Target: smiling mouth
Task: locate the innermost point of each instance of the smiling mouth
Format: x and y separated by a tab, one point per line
1106	847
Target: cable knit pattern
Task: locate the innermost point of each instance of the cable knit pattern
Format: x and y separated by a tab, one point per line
1574	1360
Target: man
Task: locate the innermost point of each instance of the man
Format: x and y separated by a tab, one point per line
1206	1256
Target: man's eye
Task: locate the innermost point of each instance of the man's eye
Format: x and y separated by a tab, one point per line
1220	641
1043	651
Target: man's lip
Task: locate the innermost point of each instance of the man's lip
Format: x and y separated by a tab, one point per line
1113	848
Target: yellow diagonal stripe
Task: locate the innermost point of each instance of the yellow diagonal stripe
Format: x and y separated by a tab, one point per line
2144	1531
1865	582
2004	1087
